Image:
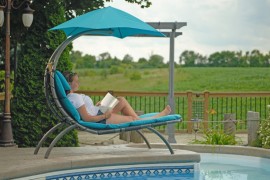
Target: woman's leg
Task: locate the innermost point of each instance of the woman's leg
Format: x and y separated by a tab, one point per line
117	118
124	107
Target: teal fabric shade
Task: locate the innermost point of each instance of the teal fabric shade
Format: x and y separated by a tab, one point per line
107	21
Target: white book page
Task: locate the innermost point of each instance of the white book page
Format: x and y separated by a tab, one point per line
108	102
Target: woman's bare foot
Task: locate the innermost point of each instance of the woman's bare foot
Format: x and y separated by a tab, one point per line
166	111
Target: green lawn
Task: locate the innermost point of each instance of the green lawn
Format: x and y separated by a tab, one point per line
194	79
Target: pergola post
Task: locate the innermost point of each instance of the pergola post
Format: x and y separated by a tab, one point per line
173	26
170	127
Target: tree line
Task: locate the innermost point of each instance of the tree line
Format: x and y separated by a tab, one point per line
187	58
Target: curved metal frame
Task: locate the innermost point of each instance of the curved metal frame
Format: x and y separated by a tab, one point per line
55	106
43	139
144	138
162	138
57	138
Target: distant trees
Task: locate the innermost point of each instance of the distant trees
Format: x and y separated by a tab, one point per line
190	58
127	59
104	60
225	59
156	61
257	59
187	58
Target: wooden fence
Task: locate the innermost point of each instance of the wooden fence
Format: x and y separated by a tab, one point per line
209	107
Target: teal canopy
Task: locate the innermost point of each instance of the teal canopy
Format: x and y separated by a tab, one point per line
107	21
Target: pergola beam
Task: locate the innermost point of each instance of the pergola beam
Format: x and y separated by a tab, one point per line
167	25
167	34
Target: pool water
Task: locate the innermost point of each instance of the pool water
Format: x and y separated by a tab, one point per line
234	167
183	171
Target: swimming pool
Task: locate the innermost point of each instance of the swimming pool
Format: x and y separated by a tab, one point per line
212	166
230	167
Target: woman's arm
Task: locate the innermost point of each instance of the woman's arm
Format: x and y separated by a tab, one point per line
87	117
98	103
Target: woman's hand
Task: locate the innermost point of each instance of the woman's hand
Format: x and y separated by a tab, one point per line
108	114
98	103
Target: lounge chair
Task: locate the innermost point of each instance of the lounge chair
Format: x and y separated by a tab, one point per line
55	86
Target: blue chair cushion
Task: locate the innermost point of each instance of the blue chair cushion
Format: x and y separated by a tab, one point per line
59	88
100	126
70	109
65	102
63	80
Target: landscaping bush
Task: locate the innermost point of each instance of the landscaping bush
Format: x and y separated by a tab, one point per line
31	117
217	138
264	133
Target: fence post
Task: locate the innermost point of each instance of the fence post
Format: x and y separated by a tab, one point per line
206	106
229	124
253	122
189	114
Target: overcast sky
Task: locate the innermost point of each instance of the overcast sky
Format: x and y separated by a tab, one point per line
212	25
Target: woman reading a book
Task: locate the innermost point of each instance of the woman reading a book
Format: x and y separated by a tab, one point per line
90	112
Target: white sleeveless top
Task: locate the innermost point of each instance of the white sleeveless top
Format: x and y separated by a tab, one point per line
81	99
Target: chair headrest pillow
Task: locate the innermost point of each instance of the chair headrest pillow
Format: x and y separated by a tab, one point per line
61	85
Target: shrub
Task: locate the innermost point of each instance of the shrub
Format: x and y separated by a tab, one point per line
146	73
104	74
87	73
116	70
135	76
264	133
217	138
31	117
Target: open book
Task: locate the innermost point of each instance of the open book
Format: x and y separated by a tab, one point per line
107	103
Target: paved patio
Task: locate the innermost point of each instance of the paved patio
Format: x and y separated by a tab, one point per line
106	150
20	162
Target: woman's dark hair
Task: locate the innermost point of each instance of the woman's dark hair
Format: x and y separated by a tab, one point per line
69	77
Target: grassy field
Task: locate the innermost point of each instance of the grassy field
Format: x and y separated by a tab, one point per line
193	79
